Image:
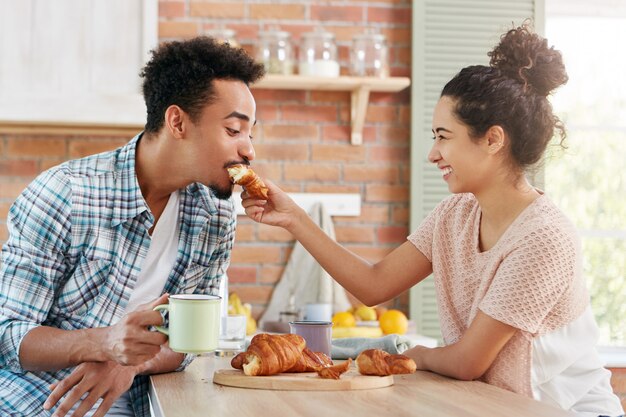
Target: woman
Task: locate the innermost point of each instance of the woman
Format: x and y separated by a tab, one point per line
513	305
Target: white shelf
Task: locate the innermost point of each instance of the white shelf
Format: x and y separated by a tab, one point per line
360	87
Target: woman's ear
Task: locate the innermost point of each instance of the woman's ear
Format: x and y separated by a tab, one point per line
495	139
175	121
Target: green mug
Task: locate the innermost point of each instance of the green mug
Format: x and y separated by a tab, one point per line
194	322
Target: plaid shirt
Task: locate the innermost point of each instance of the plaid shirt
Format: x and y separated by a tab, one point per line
77	239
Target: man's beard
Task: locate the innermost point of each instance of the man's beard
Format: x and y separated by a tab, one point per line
221	193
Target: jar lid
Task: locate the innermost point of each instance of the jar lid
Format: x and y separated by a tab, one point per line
318	34
373	36
274	34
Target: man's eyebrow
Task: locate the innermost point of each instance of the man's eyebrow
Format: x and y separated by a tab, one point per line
439	129
239	116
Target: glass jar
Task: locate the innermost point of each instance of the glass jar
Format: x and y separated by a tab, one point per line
274	51
318	54
369	55
223	35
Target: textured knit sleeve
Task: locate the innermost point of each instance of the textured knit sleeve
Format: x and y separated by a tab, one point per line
32	260
532	280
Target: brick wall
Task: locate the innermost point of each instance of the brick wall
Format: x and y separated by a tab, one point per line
302	138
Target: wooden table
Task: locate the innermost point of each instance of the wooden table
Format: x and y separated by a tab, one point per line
192	393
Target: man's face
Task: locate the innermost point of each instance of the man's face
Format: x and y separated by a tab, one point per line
223	135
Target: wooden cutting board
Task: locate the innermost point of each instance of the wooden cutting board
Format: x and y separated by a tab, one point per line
308	381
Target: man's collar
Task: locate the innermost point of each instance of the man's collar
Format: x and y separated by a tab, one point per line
128	201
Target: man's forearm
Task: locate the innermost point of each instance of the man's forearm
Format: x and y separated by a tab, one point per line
50	349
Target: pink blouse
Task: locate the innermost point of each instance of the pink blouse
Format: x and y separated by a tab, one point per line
531	279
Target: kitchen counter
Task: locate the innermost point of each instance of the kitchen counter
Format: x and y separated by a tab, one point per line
192	393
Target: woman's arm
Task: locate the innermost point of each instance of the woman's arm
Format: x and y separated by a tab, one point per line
472	355
371	284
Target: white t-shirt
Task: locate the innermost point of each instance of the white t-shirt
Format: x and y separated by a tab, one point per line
160	258
567	371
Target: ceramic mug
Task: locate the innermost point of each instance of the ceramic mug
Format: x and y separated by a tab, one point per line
317	334
194	322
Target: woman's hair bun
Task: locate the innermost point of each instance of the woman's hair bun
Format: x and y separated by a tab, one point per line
525	56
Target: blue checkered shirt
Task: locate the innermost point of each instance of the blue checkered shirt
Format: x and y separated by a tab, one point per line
77	237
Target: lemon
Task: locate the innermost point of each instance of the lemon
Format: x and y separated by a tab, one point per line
393	321
365	313
344	319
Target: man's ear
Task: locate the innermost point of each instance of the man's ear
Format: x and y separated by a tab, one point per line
175	121
495	139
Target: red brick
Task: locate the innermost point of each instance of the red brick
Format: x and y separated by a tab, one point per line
314	172
341	153
342	133
255	254
277	11
268	170
397	35
400	214
263	95
39	146
370	213
392	234
396	15
267	112
271	274
388	154
178	30
241	274
370	173
296	31
253	294
319	113
381	114
217	10
19	167
4	210
267	233
307	133
405	114
171	9
245	232
354	234
403	55
10	189
287	152
83	147
321	188
48	163
387	193
319	96
400	71
337	13
394	134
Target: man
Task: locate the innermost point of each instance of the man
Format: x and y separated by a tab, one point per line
95	243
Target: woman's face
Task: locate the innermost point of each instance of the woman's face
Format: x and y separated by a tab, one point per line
462	161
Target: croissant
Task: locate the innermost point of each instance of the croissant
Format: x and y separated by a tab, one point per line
335	371
244	175
273	354
378	362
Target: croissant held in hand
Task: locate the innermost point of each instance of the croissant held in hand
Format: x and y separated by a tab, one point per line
378	362
243	175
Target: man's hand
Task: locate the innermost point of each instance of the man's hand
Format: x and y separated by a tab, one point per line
130	342
106	380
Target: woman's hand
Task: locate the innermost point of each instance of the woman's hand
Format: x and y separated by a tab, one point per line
278	210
